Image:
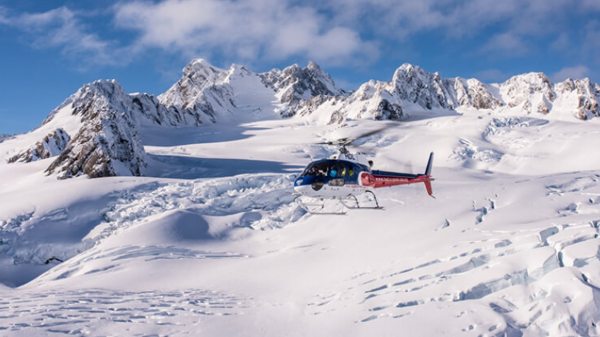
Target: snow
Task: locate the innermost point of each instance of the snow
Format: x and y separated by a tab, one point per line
211	242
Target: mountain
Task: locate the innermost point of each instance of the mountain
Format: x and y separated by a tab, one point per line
51	145
413	89
95	132
4	137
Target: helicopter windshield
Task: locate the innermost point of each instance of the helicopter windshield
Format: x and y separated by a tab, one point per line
331	168
317	168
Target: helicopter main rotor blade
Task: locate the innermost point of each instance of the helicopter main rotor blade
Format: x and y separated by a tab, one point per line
370	133
348	141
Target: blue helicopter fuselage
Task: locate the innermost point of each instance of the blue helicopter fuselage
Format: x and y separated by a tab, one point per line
330	178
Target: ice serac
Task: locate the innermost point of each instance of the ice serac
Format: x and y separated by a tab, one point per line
51	145
107	143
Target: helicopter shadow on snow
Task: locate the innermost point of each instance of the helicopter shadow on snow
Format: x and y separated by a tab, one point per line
414	116
183	167
187	135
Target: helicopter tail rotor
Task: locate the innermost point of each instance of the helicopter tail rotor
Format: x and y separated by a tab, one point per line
428	175
429	165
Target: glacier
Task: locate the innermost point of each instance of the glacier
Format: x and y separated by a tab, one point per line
174	214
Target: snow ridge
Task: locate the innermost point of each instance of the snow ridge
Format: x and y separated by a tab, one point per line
104	140
414	90
51	145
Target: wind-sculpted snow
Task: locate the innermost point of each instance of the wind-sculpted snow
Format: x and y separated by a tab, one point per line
526	280
100	311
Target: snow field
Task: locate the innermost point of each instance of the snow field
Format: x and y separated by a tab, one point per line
509	247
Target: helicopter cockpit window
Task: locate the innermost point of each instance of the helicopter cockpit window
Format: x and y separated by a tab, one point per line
318	168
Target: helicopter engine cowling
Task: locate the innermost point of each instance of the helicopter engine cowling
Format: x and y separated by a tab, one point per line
366	179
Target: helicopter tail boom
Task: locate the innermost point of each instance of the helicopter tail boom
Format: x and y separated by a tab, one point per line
387	179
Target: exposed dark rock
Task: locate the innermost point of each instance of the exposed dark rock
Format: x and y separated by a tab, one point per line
298	85
388	111
105	146
543	108
107	143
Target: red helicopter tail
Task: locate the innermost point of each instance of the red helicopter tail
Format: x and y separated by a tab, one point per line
428	187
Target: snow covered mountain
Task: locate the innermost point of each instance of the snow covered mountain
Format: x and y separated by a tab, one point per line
95	131
4	137
199	232
413	90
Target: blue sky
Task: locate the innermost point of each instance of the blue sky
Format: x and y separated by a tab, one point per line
50	48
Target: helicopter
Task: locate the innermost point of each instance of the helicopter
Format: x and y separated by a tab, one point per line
346	175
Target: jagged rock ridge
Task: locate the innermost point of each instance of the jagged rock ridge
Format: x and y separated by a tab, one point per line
51	145
106	142
413	89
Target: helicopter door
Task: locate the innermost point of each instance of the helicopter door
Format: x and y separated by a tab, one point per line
337	173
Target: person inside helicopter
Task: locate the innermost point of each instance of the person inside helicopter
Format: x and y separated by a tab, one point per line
318	169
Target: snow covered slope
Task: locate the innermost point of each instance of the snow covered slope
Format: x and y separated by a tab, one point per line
198	232
211	242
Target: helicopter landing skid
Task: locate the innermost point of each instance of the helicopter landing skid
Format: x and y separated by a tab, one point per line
358	206
317	207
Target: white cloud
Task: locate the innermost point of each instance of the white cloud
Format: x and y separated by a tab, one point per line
60	28
514	23
505	44
327	31
244	29
576	72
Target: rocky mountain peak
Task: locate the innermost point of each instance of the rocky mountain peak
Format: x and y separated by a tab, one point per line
103	94
237	71
199	71
107	143
413	84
